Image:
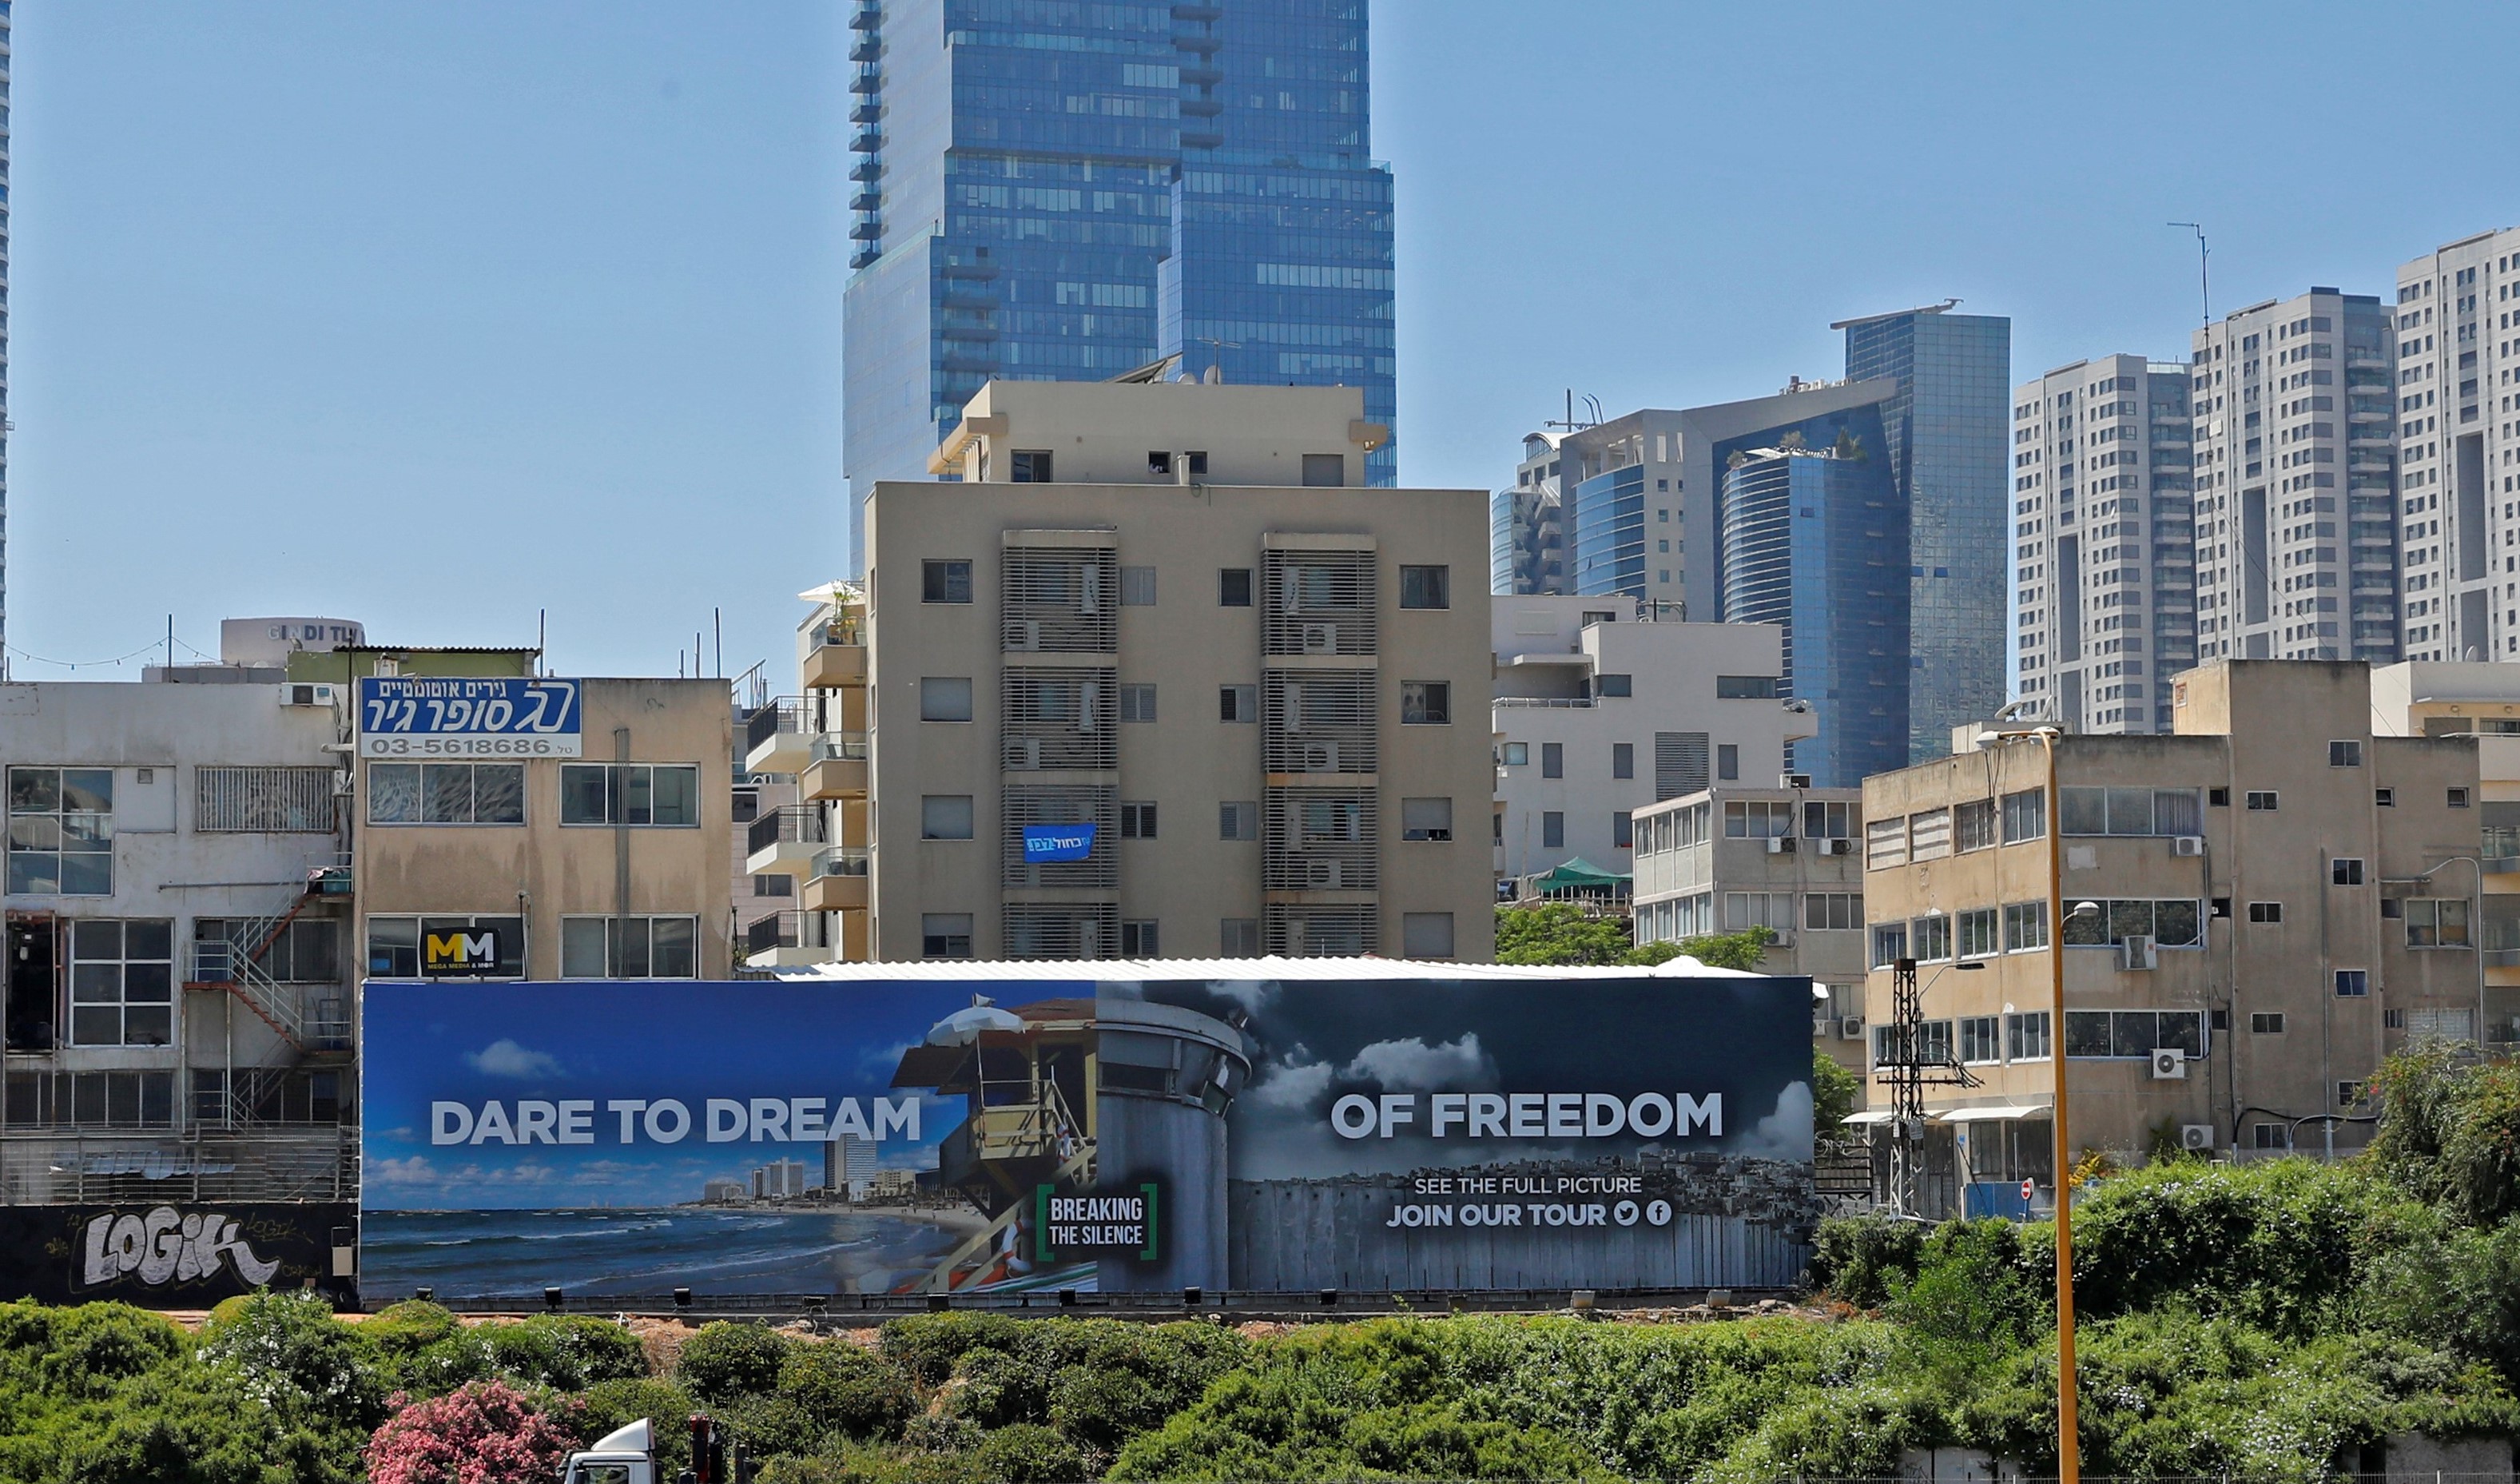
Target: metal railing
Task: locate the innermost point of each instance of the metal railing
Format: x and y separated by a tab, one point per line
788	713
789	823
785	930
58	1167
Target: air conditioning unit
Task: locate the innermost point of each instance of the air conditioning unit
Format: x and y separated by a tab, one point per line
1850	1028
1321	757
2196	1135
1821	1026
1023	754
2187	844
1781	844
1322	875
1793	781
2137	951
1023	634
1321	639
2169	1064
1781	937
305	696
1841	847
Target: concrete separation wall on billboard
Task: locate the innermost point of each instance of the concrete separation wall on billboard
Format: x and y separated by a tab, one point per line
1020	1134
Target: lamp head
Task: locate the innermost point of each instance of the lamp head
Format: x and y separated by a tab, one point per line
2084	909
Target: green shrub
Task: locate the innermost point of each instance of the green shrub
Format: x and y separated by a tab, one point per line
299	1359
91	1350
845	1390
928	1345
406	1327
727	1360
565	1352
1027	1453
1858	1259
610	1405
2451	1130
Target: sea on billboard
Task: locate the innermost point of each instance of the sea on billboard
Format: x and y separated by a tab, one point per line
925	1137
453	716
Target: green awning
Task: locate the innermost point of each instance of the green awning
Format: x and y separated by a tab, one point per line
1575	873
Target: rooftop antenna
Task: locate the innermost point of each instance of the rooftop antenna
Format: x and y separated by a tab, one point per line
2204	288
1569	423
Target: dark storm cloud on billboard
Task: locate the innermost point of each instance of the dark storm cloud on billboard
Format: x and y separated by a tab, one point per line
866	1136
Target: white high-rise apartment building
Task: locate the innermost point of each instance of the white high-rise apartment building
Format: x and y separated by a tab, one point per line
2295	481
2104	554
2457	312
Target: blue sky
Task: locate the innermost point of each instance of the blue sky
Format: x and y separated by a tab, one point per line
433	316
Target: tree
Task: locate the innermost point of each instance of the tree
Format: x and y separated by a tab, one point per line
1559	932
1833	1090
2451	1129
1741	950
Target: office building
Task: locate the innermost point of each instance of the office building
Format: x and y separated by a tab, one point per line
2256	915
2295	485
1527	523
2478	699
1067	192
1947	426
2104	542
779	1180
2458	462
848	1166
1735	856
1598	714
1171	613
4	339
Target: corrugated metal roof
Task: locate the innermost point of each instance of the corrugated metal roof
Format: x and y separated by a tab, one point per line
1071	971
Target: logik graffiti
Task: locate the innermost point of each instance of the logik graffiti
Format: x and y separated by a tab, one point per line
167	1245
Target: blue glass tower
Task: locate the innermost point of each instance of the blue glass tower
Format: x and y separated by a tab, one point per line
1049	190
1606	537
1949	430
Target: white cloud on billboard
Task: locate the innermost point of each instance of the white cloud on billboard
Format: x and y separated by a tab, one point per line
1415	1066
504	1057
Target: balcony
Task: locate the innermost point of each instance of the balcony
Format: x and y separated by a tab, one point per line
839	768
867	140
838	880
779	738
865	18
839	660
866	110
869	79
866	48
787	940
786	840
867	169
867	230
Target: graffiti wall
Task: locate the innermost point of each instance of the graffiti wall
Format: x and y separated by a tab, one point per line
170	1255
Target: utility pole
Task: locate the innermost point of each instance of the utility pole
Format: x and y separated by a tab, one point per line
2204	288
1911	1074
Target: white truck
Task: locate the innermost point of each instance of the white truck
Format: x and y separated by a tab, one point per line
628	1455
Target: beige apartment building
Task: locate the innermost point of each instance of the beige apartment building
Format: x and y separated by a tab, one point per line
607	865
1787	859
2278	895
2478	699
1171	612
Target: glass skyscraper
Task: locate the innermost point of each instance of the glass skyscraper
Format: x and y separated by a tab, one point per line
1050	190
1950	431
1607	546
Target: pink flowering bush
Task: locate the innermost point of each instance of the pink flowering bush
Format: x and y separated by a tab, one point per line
485	1433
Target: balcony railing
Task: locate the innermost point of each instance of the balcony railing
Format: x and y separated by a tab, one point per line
844	860
780	930
842	747
787	825
788	713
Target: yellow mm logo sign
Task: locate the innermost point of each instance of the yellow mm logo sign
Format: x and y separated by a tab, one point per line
440	952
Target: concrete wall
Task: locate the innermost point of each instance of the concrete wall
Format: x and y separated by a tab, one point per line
1100	433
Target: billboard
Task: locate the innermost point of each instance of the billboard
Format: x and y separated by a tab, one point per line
967	1135
171	1254
403	717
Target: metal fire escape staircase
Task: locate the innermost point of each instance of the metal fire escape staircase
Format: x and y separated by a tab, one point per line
236	965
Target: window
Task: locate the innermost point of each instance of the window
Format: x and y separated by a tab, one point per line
2132	1033
1930	938
1325	470
2025	816
304	951
1238	820
122	982
1981	1039
2345	754
2353	983
273	801
1237	703
1623	759
1975	824
2270	1136
945	817
1885	842
2457	798
1426	934
629	948
1933	1045
1425	819
1826	822
1829	910
412	948
1138	703
1727	761
1553	759
2266	1022
2025	1036
2344	871
93	1100
1552	830
774	884
1234	587
1758	909
1615	685
1889	944
1238	937
1758	819
2260	800
2217	798
1623	830
1137	821
1518	754
2265	912
2436	922
2384	798
2131	811
663	794
745	805
61	831
1031	465
1137	587
1745	687
945	697
1139	939
1425	587
446	794
2170	922
1425	704
2025	925
1158	462
1978	935
945	582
